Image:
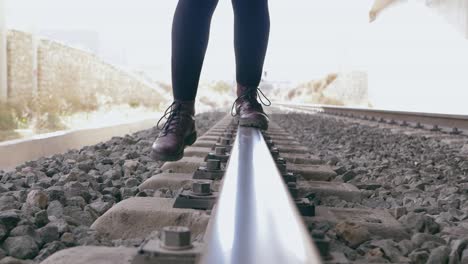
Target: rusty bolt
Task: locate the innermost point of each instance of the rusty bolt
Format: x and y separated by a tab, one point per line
220	151
176	237
201	188
213	164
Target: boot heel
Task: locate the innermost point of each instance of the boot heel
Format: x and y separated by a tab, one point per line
191	139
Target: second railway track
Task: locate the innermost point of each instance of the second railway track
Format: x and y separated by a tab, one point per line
351	212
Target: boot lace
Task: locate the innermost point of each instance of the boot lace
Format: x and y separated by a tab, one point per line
251	94
172	116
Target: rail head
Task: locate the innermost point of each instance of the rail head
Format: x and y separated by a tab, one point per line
441	120
256	220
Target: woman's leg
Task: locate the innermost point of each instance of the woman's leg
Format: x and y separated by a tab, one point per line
190	33
251	32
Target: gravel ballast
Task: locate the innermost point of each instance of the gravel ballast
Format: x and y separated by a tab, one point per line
48	204
419	176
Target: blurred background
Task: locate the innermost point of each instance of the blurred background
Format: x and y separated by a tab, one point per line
68	65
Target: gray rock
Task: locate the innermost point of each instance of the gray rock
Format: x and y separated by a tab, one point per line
9	219
405	246
76	201
349	175
48	234
82	217
23	230
22	247
49	249
390	249
12	260
100	206
86	165
420	238
132	182
56	193
457	247
113	174
68	239
61	224
74	188
128	192
29	209
420	223
41	218
55	208
419	257
3	232
8	202
353	233
439	255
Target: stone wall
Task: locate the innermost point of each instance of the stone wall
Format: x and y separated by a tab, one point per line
19	54
70	79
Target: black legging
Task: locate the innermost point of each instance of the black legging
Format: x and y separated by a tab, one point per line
190	34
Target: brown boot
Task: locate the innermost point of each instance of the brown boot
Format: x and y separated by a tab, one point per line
248	109
178	132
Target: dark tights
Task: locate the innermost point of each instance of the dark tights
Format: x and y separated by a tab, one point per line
190	34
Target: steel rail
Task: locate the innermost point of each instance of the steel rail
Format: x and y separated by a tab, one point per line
255	219
449	121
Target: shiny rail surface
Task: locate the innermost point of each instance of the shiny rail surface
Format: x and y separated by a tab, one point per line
446	121
256	220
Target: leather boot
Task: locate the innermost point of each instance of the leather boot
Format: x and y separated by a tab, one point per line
248	109
177	133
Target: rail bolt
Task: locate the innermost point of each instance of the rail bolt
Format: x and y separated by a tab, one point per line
214	164
225	141
455	131
280	161
281	167
270	143
220	151
292	186
274	152
176	237
201	188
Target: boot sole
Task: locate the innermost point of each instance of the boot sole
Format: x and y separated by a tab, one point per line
260	124
187	142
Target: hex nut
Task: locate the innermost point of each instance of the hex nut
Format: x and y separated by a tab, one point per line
176	237
225	141
213	165
201	187
220	151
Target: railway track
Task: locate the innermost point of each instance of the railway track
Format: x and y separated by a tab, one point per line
241	196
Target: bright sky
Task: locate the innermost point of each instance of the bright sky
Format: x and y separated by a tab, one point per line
415	60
